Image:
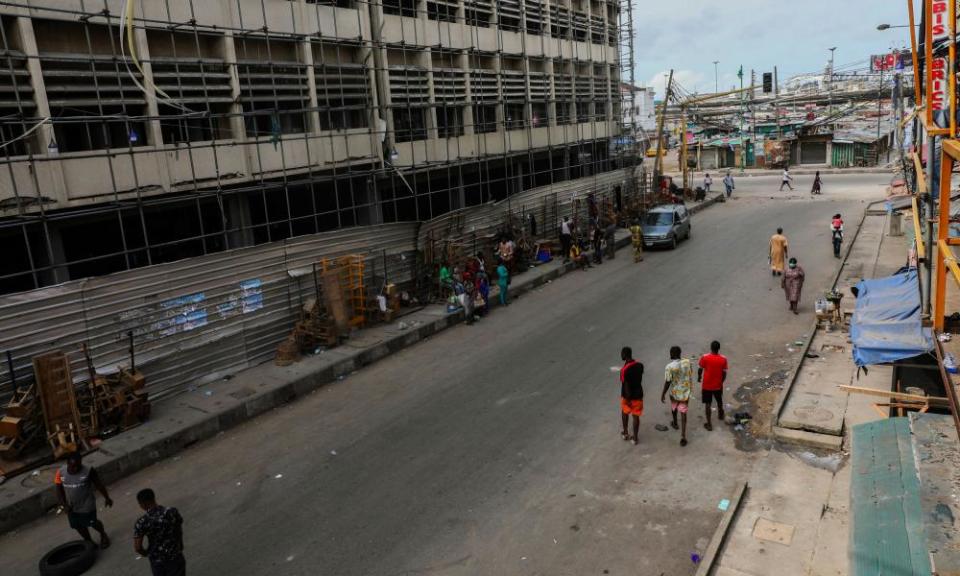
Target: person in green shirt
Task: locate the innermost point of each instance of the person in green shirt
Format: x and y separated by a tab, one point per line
503	281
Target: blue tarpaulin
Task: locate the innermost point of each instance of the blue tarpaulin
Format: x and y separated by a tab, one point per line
886	324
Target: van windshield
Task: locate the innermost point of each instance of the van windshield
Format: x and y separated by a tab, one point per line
659	219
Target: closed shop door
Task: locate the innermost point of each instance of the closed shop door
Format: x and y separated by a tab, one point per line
813	153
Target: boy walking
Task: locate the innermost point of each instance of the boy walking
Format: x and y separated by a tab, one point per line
712	373
631	393
162	528
678	378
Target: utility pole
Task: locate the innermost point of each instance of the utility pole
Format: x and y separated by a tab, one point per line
716	77
658	161
776	102
879	108
742	154
830	85
753	115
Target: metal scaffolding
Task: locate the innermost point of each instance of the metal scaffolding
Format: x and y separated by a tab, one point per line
182	128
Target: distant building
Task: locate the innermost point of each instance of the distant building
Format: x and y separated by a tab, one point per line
642	113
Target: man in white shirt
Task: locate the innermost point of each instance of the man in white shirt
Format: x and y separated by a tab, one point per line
785	179
565	238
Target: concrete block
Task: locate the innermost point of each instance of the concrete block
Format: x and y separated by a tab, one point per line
804	438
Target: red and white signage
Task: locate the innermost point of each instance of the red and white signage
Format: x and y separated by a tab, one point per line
938	26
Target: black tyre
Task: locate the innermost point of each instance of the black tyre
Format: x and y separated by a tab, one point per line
689	231
69	559
673	242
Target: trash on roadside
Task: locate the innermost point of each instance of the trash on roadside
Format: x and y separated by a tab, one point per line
333	452
812	355
661	428
945	337
695	558
278	476
723	505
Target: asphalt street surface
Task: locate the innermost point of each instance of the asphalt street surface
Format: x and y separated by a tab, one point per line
495	448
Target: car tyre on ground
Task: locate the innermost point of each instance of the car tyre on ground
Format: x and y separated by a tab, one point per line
70	559
673	242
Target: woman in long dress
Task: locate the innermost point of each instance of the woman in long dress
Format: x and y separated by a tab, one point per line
792	284
778	252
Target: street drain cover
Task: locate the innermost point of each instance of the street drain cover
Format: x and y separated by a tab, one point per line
813	414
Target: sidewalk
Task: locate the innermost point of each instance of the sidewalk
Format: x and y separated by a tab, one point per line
755	172
794	517
181	421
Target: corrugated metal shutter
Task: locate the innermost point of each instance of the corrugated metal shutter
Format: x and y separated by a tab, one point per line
195	320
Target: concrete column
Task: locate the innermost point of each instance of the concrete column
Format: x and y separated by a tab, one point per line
52	255
306	56
28	43
238	130
464	62
552	106
154	135
427	60
239	222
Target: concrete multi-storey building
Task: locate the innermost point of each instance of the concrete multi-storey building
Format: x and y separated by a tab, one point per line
214	124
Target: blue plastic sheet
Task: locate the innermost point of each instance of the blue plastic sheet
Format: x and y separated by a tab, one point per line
886	324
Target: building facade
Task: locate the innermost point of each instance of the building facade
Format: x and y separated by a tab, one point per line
206	125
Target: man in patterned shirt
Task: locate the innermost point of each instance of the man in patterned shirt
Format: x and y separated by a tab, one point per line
678	378
163	529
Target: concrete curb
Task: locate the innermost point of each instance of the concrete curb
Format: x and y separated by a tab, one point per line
802	172
803	437
720	534
171	431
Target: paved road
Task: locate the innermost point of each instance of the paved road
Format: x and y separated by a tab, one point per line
494	449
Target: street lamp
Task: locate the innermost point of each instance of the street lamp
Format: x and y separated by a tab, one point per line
882	27
716	77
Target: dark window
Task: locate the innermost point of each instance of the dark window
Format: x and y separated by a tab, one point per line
442	12
449	121
476	17
74	134
583	112
175	128
484	118
513	116
541	115
400	7
564	113
409	124
265	118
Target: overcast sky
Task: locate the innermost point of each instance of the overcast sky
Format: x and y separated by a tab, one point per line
688	35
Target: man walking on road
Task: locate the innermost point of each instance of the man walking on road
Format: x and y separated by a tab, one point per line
707	182
678	378
631	393
163	529
728	184
777	252
75	484
712	373
785	179
636	238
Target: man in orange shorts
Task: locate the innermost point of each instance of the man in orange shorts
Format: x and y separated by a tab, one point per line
631	393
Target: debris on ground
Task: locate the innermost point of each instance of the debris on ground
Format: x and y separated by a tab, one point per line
661	428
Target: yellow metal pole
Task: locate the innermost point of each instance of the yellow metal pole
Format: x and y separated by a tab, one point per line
917	230
916	59
946	169
952	51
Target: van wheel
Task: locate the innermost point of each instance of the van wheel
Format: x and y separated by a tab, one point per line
689	232
69	559
673	242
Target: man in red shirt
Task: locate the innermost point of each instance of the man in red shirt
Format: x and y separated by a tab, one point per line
712	373
631	393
